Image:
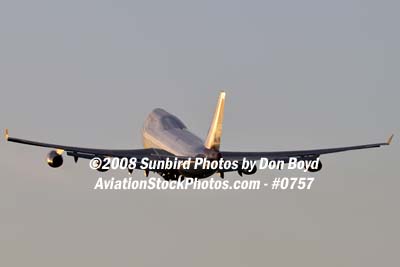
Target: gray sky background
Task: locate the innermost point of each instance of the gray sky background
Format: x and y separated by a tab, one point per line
298	74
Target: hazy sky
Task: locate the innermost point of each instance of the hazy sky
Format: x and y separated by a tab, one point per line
298	75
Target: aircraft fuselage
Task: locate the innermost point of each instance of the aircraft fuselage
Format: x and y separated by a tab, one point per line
165	131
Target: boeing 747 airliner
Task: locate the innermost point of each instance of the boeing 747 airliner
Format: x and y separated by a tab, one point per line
165	136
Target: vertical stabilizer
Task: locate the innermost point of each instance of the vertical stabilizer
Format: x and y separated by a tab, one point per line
213	140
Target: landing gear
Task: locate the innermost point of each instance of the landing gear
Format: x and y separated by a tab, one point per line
169	176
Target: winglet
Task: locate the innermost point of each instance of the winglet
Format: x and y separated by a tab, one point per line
390	139
6	134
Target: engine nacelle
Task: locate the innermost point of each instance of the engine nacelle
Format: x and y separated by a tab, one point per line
317	169
100	165
54	159
101	168
247	172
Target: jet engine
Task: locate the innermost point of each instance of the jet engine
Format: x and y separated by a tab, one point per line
317	169
101	168
101	163
247	172
54	159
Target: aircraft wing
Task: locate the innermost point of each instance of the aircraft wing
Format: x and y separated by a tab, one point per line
285	155
89	153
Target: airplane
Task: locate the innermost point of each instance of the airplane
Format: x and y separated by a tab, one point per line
165	136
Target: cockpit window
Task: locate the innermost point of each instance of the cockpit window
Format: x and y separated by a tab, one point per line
170	122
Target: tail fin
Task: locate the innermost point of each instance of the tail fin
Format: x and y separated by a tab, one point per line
213	140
